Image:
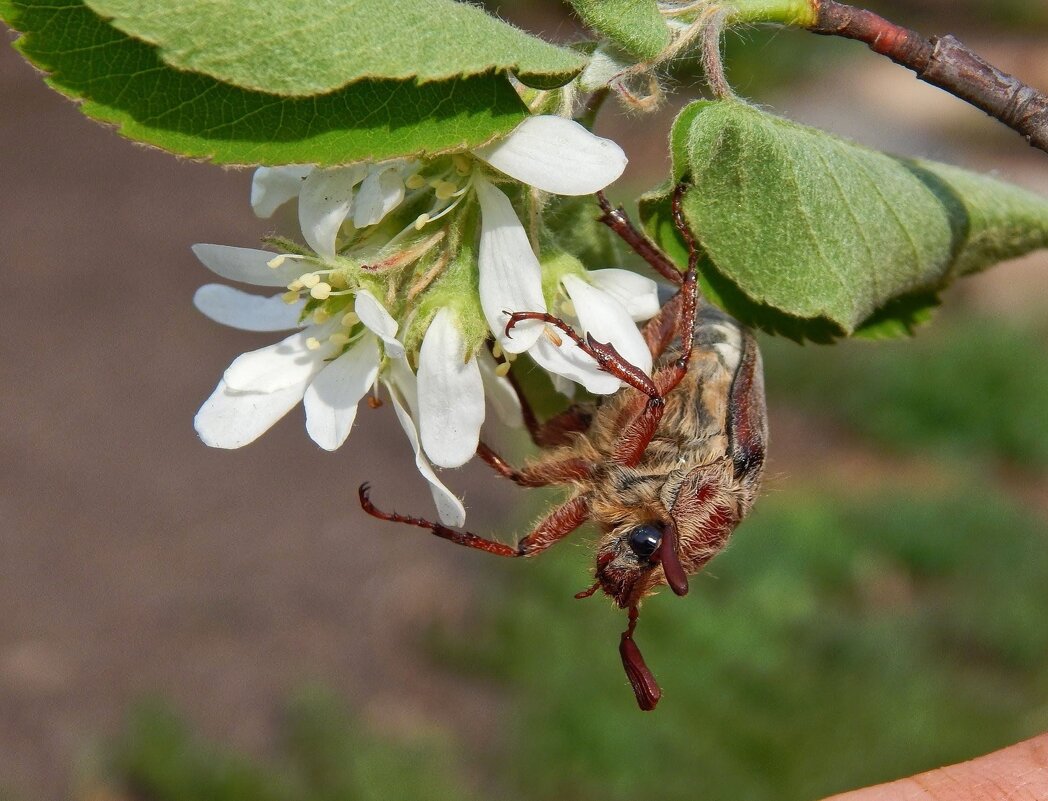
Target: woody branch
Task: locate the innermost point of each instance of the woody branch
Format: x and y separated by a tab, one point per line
944	62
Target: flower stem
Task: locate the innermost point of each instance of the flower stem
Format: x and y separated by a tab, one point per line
943	62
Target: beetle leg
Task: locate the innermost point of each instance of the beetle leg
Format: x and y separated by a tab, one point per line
748	416
554	527
618	221
559	428
603	353
542	474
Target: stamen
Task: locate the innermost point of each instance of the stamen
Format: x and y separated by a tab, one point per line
312	343
463	166
496	350
552	336
339	339
416	181
502	369
279	259
350	319
296	285
321	316
421	221
290	297
321	291
310	280
568	308
446	190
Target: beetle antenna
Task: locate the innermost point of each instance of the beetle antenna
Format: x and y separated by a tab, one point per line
641	678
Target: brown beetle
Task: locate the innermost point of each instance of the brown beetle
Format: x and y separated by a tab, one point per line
667	467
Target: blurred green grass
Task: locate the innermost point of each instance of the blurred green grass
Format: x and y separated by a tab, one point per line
972	390
325	755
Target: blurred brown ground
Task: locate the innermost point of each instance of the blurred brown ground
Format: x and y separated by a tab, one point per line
134	560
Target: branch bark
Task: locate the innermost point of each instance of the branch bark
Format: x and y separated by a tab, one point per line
946	63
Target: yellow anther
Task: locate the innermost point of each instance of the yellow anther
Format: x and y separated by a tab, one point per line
276	261
321	291
338	339
310	280
337	280
462	164
290	297
502	369
568	307
421	221
552	336
313	343
350	319
496	350
416	181
445	189
321	316
296	285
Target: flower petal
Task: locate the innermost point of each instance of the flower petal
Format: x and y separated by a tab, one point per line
324	203
230	419
450	394
245	311
604	318
332	397
556	155
375	318
499	391
272	187
449	508
568	361
380	193
510	276
275	367
248	265
638	295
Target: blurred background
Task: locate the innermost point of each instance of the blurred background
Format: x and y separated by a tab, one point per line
181	623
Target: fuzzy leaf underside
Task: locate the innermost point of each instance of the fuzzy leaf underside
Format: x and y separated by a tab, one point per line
308	47
814	237
634	25
125	83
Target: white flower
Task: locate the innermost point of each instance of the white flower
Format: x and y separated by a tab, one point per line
450	394
329	366
327	198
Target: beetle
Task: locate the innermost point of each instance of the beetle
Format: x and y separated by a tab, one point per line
666	467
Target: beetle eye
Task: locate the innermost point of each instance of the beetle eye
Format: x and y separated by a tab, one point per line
645	540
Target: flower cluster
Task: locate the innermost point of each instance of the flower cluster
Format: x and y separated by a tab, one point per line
405	284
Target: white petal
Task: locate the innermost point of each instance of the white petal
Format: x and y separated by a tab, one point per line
510	276
556	155
380	193
272	187
230	419
568	361
499	391
450	394
638	295
247	265
375	317
606	320
325	202
245	311
275	367
449	508
332	397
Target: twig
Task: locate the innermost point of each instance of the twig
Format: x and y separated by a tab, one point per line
946	63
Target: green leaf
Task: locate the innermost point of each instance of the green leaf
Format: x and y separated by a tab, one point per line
811	236
308	47
124	82
635	25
